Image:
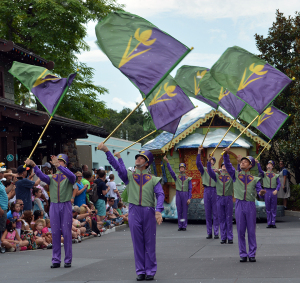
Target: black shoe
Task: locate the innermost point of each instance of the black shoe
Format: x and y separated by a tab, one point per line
179	229
274	226
209	237
269	226
149	277
216	237
223	242
252	259
55	265
140	277
67	265
230	241
243	259
183	229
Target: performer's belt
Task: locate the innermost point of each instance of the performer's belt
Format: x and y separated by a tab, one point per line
270	188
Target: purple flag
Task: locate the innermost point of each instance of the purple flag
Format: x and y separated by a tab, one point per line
167	103
248	77
141	51
269	122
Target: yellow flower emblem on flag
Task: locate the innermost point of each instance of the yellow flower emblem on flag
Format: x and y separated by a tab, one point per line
196	84
168	90
223	93
254	70
261	117
142	38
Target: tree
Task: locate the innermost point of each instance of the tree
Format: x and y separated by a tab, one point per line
133	125
281	49
55	30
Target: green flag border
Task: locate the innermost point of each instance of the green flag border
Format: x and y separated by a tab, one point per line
60	99
288	116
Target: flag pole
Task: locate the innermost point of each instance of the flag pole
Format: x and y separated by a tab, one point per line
123	120
39	138
223	137
138	141
241	133
208	128
263	150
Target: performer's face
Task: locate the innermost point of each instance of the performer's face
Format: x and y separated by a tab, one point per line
270	166
62	163
140	161
223	168
245	164
182	169
212	162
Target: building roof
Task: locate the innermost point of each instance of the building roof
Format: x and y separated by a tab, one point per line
40	118
193	120
17	53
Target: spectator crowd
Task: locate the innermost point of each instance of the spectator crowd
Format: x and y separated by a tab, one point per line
25	202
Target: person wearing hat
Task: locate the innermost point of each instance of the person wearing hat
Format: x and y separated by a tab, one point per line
272	185
183	185
224	187
141	188
61	190
24	186
210	197
245	185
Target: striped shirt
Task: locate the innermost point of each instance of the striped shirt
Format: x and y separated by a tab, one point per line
3	197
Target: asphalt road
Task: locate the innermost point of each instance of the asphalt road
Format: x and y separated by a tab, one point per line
181	256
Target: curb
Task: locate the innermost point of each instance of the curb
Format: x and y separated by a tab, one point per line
292	213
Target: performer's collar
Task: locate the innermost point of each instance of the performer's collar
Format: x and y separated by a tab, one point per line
139	171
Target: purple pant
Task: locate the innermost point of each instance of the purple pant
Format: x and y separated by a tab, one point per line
271	206
61	223
142	226
245	215
210	205
182	208
225	211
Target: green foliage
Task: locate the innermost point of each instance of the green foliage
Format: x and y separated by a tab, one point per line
133	125
281	49
55	30
294	201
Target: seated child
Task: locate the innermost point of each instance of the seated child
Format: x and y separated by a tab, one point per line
11	239
40	240
15	210
120	213
46	233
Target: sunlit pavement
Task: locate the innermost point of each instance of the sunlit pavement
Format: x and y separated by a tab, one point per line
181	256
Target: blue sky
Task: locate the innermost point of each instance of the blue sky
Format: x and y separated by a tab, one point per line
210	26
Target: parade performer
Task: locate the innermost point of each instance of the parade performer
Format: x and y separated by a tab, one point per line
224	187
210	197
61	190
183	193
271	184
141	188
245	211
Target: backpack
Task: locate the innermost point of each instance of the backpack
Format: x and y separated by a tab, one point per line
93	193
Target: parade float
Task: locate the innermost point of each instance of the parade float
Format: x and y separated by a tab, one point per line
183	147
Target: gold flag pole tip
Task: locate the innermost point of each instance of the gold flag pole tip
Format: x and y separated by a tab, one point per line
192	48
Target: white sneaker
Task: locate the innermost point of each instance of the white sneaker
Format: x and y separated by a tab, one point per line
79	239
11	250
62	244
